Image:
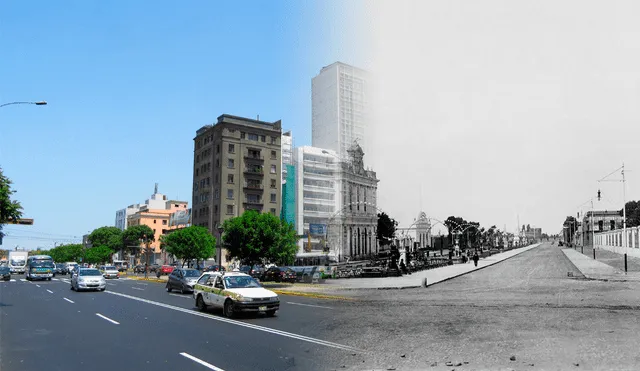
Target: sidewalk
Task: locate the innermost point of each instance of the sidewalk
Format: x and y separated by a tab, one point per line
417	279
597	270
613	259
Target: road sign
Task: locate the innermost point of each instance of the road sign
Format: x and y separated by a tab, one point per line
21	221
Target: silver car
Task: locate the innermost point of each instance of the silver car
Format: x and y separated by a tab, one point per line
182	279
88	279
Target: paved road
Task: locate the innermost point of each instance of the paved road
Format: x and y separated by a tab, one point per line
45	325
527	307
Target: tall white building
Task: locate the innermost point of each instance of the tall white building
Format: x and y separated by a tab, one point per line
317	196
340	108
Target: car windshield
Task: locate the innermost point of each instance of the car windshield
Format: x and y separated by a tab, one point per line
17	262
110	268
42	264
238	282
191	273
90	272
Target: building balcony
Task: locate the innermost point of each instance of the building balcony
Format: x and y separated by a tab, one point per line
254	186
254	171
253	157
249	203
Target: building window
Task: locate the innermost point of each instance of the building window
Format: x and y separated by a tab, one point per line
273	197
217	194
263	138
198	158
154	221
273	140
154	231
229	209
242	135
273	155
231	163
230	194
176	205
273	183
253	137
197	172
217	148
273	211
208	182
273	169
215	209
232	148
202	182
217	162
164	222
230	178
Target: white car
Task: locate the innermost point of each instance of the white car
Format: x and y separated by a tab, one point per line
234	292
110	271
88	279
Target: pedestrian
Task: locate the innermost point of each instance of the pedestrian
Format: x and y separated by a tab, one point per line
476	258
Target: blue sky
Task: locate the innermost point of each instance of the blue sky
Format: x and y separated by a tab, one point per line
128	84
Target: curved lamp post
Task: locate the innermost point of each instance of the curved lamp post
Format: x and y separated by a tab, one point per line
39	103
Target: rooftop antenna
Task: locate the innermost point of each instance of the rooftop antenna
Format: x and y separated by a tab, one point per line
155	191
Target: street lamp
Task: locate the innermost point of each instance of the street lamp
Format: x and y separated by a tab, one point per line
39	103
624	208
220	231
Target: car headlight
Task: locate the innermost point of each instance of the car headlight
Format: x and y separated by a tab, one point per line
274	298
243	299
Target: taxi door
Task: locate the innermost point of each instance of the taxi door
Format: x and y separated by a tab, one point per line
218	287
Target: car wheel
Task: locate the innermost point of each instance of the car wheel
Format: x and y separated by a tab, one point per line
271	313
168	287
101	290
71	287
182	290
228	309
200	304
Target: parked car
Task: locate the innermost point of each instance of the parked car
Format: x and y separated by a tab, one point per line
256	272
165	270
138	268
5	273
279	274
182	279
154	267
215	268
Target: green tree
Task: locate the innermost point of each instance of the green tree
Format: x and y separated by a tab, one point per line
633	213
110	237
255	238
190	243
386	230
98	254
67	253
134	235
9	209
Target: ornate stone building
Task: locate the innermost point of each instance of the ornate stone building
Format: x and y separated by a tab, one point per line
423	230
352	230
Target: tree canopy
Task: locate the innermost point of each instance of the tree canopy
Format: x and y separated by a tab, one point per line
132	236
386	230
9	209
260	238
632	208
98	254
110	237
190	243
67	253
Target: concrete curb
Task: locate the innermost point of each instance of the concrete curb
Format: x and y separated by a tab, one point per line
310	295
475	270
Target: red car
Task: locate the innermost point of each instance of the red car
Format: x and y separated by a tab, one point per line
164	270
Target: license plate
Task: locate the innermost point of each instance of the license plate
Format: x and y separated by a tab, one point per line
262	308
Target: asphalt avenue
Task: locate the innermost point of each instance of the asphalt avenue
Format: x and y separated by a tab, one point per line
138	325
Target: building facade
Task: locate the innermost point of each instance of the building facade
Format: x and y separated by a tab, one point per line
340	108
156	201
237	166
423	230
159	220
352	230
603	221
316	196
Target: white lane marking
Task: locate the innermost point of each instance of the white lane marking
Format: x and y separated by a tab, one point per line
205	364
55	279
140	283
111	284
181	296
309	305
243	324
12	280
23	280
50	292
108	319
37	285
137	288
70	301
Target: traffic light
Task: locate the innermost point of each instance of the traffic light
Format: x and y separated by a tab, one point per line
598	195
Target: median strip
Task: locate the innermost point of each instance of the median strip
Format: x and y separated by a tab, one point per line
311	295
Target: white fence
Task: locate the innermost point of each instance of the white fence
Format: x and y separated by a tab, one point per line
613	241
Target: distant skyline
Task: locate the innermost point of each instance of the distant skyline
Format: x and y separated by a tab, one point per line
128	85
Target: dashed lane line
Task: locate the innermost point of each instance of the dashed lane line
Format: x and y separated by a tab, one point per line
198	360
108	319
